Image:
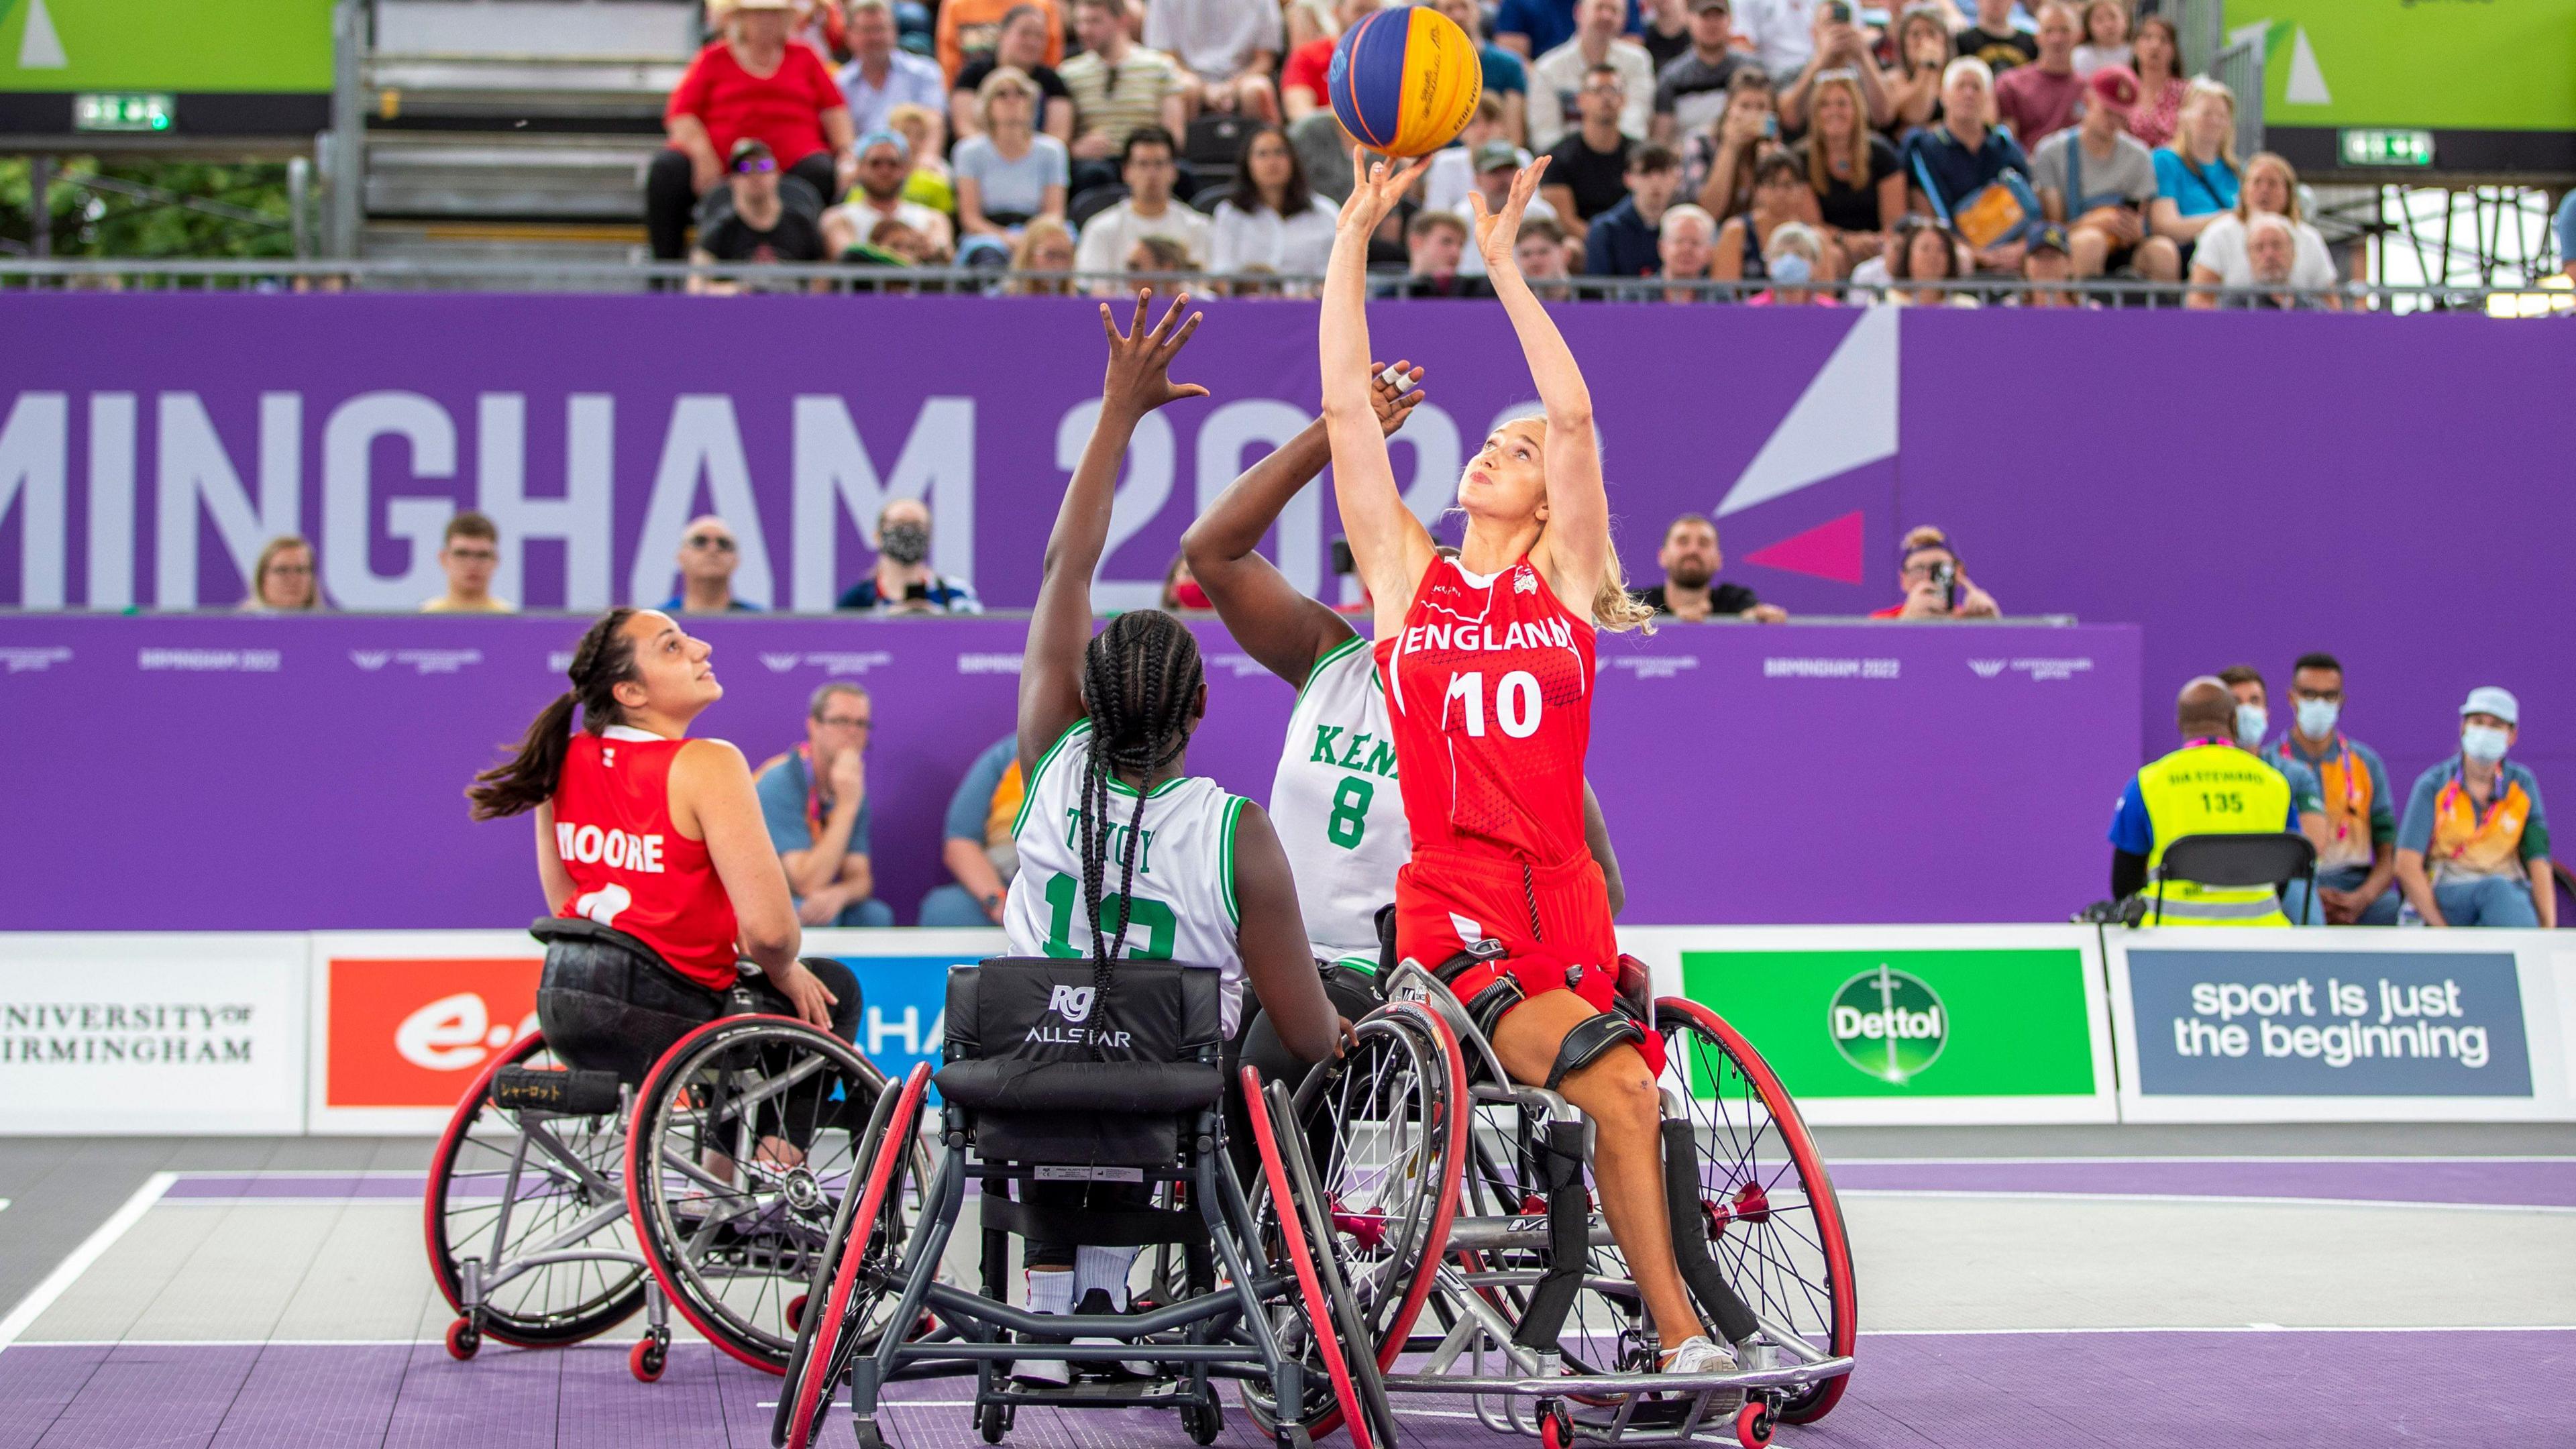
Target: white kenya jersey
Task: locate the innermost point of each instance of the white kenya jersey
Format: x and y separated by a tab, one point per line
1183	895
1336	805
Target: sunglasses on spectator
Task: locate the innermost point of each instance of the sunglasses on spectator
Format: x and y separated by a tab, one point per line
755	165
716	541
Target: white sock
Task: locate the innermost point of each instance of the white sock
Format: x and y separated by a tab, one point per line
1105	1269
1050	1290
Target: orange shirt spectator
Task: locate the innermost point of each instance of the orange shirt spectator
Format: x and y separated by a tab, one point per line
969	28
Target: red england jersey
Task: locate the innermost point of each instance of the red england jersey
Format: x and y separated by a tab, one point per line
631	867
1489	687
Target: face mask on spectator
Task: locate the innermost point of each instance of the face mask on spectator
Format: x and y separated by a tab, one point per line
2251	721
905	543
2317	717
1191	596
2482	743
1792	270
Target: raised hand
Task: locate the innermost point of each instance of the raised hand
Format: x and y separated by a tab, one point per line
1375	189
1140	359
1498	232
1394	400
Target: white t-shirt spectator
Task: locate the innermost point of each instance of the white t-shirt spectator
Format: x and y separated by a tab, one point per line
1783	33
1012	186
2090	58
1472	263
1557	77
1294	246
1451	177
2222	250
1213	38
1110	236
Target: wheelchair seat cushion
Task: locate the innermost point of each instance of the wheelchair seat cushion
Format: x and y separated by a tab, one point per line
1057	1070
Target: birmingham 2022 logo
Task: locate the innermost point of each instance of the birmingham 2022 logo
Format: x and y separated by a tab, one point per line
1889	1024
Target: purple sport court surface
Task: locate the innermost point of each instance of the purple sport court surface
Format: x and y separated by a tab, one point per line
2464	1382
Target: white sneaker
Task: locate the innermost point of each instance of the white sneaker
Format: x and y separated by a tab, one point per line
1700	1354
1042	1373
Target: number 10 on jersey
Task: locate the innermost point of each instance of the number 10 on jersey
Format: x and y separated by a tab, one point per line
1516	702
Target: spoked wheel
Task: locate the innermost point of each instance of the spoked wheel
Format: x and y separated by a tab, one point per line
1321	1326
1385	1129
505	1185
857	1279
1773	1223
1601	1332
742	1149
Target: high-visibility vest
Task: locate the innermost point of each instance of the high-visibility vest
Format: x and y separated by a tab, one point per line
2212	789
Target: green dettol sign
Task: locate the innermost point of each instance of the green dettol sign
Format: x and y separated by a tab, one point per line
1888	1023
1908	1023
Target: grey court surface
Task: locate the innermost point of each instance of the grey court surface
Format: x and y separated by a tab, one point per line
2136	1286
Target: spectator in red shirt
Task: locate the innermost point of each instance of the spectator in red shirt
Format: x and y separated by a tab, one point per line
752	83
1301	82
2039	99
1935	587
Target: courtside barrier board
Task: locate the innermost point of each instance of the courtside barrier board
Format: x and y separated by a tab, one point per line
404	1020
2343	1025
1901	1025
152	1033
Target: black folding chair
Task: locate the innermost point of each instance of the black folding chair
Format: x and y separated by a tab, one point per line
2236	862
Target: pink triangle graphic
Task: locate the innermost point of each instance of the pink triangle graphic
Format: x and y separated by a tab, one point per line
1826	551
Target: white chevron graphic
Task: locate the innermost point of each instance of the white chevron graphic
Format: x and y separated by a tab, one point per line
2307	86
1845	418
39	48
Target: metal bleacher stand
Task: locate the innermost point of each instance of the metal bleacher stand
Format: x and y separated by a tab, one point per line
499	131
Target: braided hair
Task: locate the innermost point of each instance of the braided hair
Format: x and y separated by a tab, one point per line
603	660
1140	684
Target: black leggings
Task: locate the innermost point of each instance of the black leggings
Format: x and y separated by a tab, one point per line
1255	1041
609	1008
671	199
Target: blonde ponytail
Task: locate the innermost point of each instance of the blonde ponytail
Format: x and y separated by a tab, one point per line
1613	607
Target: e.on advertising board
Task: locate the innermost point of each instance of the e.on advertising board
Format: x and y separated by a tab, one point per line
406	1020
160	1033
1915	1024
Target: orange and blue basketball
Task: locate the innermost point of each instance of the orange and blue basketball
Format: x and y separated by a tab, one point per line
1405	81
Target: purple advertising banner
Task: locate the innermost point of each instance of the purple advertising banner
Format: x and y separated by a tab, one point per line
2246	487
307	773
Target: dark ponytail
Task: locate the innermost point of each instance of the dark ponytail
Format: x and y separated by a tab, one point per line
1140	680
604	659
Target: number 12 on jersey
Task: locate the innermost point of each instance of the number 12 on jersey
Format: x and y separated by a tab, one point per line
1516	702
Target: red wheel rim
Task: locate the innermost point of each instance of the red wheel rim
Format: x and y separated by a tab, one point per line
1292	1232
845	1277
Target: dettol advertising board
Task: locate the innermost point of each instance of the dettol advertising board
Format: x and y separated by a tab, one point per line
1901	1025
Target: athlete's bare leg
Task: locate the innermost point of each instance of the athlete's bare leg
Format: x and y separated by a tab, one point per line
1619	1095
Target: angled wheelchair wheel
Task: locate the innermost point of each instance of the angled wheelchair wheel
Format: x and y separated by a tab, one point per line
1319	1322
506	1185
1384	1128
1774	1226
742	1147
857	1276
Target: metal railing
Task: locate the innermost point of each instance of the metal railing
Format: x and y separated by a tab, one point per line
158	275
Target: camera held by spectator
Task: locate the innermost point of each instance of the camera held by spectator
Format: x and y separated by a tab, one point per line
1935	585
903	582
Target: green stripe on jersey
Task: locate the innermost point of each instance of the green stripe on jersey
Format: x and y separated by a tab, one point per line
1029	787
1225	857
1356	641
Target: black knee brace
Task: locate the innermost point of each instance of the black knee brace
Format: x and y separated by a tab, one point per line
1590	1038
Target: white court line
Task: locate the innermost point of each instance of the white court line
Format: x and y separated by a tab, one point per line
90	1251
2227	1328
2194	1197
1857	1161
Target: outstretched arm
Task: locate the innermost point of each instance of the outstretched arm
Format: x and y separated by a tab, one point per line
1271	618
1140	361
1578	507
1389	545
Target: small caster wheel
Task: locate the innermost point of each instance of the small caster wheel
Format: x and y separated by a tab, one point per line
991	1423
647	1359
865	1430
1555	1427
464	1340
1202	1424
796	1312
1753	1424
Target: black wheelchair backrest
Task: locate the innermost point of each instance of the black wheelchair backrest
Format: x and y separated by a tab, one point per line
1055	1068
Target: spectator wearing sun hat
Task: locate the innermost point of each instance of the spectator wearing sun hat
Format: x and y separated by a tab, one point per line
2473	847
752	82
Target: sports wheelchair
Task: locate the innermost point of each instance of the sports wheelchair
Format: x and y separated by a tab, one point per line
1254	1282
561	1198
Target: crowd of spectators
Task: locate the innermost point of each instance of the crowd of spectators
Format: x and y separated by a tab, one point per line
1697	143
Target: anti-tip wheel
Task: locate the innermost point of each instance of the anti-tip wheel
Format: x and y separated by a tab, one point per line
1753	1424
464	1340
1556	1428
1202	1425
647	1359
989	1423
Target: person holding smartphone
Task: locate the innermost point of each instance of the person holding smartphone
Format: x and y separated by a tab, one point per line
903	582
1935	588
